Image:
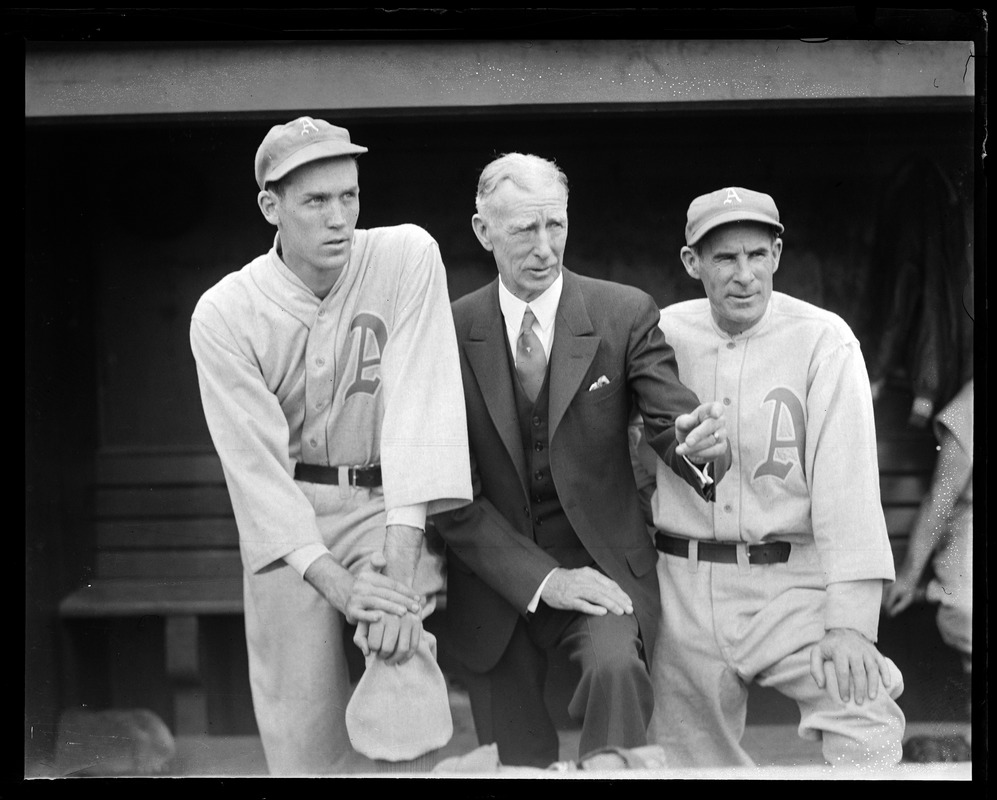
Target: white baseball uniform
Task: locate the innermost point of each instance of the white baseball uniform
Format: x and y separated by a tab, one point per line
367	375
799	416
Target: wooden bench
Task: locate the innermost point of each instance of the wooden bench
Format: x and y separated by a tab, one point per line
166	545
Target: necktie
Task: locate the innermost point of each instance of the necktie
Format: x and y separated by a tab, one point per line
531	361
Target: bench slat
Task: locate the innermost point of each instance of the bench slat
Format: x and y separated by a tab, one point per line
167	533
117	469
904	489
907	454
186	501
130	598
169	565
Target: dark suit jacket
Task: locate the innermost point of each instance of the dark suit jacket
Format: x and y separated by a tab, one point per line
494	564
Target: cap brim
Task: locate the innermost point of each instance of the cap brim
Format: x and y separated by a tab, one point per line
314	152
732	216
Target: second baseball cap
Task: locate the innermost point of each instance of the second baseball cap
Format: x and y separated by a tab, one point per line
298	142
730	204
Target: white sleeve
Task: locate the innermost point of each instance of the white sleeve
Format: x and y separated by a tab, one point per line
250	433
849	528
414	516
424	450
302	558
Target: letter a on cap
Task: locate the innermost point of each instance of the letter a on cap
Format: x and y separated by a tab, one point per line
731	197
305	125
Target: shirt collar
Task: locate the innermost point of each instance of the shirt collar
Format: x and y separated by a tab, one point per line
544	307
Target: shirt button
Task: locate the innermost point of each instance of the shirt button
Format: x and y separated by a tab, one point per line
539	446
730	345
319	362
538	475
728	508
319	405
526	510
321	312
540	521
313	443
536	422
726	401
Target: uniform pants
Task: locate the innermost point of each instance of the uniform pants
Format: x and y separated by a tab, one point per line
297	664
613	698
725	626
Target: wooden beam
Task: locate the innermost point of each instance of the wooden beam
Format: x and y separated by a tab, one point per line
75	79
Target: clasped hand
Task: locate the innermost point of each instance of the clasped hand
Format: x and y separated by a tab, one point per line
386	614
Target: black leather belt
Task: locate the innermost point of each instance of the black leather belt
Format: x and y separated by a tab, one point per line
365	477
723	552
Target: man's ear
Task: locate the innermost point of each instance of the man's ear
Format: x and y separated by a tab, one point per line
267	202
480	227
690	261
776	253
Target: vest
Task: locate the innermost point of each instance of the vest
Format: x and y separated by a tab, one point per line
550	525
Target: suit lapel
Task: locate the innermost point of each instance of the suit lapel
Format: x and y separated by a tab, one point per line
573	350
487	353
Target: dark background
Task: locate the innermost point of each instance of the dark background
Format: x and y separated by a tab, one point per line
128	222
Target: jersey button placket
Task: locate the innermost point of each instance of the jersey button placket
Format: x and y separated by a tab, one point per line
316	379
730	355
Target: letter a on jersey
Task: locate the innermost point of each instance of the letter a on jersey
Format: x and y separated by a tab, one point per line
373	335
784	401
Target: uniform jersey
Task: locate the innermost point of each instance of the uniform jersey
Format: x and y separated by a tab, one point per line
799	417
367	375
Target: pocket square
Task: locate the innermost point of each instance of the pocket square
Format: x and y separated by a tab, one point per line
603	380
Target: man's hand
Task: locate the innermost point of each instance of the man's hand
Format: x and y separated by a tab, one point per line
900	594
586	590
702	434
847	657
364	597
393	639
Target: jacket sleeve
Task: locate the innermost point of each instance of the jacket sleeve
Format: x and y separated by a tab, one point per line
653	376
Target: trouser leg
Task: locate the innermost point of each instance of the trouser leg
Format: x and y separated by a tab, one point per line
613	698
700	700
509	707
298	675
787	604
870	734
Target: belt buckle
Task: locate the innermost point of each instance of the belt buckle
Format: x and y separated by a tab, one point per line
352	474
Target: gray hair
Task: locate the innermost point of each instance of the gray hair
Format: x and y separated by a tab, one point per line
518	168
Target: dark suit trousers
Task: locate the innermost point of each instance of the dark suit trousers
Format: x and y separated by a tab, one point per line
613	698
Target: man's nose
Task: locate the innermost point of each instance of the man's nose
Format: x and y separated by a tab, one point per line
335	217
543	249
742	272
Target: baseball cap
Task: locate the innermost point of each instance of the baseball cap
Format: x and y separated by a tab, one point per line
298	142
730	204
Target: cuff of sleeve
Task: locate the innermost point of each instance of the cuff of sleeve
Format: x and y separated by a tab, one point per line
536	598
414	516
702	472
854	604
302	558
